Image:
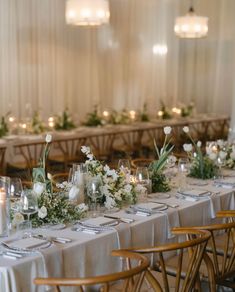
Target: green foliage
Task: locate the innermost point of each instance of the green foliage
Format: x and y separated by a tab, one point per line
3	127
59	209
37	124
64	122
203	168
93	119
187	110
159	182
165	112
144	117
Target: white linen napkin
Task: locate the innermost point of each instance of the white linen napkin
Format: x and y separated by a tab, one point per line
27	243
149	206
195	193
228	182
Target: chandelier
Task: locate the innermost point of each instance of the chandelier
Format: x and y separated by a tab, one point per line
191	25
87	12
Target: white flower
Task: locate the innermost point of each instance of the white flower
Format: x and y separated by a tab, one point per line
85	149
39	188
232	155
90	156
48	138
82	207
49	176
109	203
208	150
188	147
212	156
73	193
42	212
186	129
167	130
221	143
222	154
199	144
18	218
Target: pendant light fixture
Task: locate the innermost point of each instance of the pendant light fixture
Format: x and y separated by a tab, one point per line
191	25
87	12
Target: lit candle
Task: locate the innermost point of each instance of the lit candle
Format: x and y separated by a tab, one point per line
132	115
3	214
176	110
51	122
11	119
160	113
105	114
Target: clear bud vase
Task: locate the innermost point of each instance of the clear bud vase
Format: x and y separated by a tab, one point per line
4	206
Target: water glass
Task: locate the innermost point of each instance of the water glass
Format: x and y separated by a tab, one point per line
16	187
183	170
28	203
4	206
93	190
142	178
79	171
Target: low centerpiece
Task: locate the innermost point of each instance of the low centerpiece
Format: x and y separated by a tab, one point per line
203	166
159	180
64	122
118	187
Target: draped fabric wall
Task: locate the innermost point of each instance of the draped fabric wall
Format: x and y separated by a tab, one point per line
47	65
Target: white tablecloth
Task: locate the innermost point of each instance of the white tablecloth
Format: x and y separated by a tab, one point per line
89	254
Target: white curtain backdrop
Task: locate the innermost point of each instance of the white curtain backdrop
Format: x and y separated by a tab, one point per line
47	65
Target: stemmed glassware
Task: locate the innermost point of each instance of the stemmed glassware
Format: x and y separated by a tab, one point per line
183	169
142	178
16	187
124	165
28	203
93	190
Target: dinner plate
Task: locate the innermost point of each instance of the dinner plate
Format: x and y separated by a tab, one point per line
53	226
29	244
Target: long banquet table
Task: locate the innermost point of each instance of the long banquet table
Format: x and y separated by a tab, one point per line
203	127
89	254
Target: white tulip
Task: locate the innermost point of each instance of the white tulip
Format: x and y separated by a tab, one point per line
212	156
39	188
188	147
222	154
199	144
85	149
186	129
48	138
42	212
167	130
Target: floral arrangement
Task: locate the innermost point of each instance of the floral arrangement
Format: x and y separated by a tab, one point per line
37	125
64	122
53	207
117	118
117	187
156	168
202	166
144	117
3	127
93	118
187	111
164	113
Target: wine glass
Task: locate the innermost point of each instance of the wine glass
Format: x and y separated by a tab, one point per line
183	169
142	178
124	165
93	189
28	203
16	187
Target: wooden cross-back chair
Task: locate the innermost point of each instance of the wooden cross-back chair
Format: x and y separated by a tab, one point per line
27	156
162	278
101	145
221	251
69	151
140	162
131	278
2	159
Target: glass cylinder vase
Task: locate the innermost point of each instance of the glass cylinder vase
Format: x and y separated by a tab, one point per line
4	206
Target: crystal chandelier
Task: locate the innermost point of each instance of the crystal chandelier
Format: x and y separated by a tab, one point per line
87	12
191	25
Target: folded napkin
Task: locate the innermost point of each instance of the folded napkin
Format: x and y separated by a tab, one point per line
100	221
195	193
186	198
27	243
149	206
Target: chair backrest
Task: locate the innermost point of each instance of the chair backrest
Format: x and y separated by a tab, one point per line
190	253
101	145
30	152
141	162
221	247
2	159
132	277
